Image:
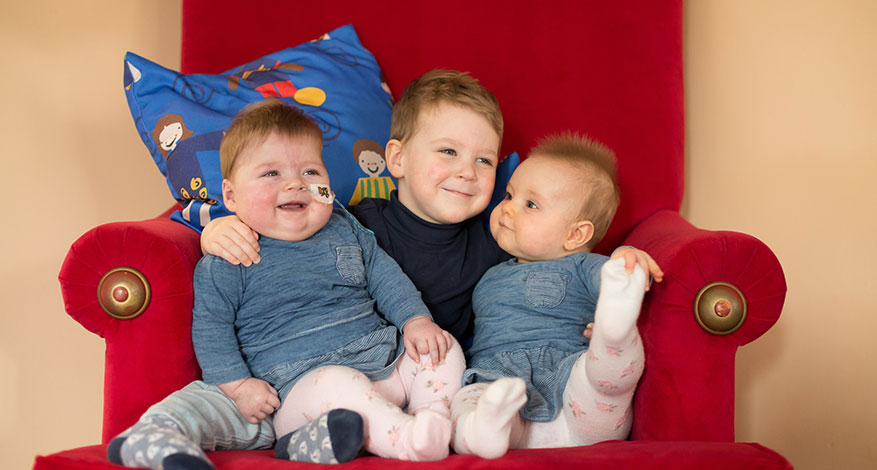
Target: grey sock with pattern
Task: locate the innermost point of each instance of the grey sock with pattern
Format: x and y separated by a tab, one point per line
156	442
334	437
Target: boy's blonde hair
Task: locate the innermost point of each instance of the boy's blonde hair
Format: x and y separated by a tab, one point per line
596	165
443	87
256	122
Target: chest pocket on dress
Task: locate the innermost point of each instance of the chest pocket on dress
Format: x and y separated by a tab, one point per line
348	262
545	289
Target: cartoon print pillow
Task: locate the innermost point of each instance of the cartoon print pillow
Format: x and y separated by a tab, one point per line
333	79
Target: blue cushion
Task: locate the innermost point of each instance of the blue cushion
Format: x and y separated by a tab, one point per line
334	79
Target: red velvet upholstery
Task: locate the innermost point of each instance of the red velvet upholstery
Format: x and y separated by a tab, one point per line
635	455
611	69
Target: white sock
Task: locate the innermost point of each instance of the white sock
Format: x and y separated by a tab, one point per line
486	431
621	296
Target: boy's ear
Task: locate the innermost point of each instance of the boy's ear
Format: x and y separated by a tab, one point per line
393	155
228	195
580	234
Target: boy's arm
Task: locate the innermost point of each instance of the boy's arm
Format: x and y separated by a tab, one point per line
218	287
232	240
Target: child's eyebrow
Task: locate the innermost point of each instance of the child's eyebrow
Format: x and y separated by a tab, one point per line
445	140
534	195
450	141
527	193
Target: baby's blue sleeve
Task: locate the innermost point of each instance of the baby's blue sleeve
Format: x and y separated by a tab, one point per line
218	287
589	274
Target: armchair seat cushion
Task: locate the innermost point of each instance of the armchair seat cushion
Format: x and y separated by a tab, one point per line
618	455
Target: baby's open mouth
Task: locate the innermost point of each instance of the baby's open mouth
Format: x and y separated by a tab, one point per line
293	206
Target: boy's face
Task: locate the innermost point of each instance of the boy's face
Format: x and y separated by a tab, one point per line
540	210
447	169
265	188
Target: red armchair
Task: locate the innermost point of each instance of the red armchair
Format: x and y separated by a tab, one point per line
609	69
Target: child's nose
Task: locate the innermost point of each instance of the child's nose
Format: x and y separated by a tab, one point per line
295	183
466	170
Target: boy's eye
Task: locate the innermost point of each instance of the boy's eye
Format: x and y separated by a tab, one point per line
508	196
485	161
532	205
271	173
450	152
311	173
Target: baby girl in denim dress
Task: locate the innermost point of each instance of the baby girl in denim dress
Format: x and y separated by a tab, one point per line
534	379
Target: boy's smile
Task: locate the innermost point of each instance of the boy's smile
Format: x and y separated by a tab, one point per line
269	187
447	169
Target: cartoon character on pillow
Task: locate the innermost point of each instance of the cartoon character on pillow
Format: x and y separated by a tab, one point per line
369	155
181	148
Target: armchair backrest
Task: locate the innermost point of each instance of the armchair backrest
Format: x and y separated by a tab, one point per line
612	70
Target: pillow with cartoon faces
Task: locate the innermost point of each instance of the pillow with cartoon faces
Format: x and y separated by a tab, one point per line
333	79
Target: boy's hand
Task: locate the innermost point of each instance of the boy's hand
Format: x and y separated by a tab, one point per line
589	330
633	256
256	399
231	240
422	336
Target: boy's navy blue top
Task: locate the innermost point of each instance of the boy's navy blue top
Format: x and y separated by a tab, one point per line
444	261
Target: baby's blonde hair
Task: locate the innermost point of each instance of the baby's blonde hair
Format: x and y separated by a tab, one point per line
596	165
256	122
443	87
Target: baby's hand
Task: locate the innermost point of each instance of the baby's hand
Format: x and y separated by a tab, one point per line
633	256
256	399
231	240
589	330
422	336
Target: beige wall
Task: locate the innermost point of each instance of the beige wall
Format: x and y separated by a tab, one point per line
71	160
782	144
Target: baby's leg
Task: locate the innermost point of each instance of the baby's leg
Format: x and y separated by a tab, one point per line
486	418
388	431
173	432
599	393
429	386
334	437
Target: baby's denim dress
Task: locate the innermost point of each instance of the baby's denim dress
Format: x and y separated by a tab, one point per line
529	319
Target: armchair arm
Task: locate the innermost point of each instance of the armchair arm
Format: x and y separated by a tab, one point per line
687	389
149	354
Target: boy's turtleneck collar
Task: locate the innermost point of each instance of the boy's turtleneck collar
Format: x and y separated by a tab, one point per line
408	224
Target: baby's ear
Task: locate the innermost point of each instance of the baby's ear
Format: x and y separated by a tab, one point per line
228	195
579	235
394	158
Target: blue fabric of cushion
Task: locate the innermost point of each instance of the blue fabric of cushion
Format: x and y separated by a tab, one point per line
334	79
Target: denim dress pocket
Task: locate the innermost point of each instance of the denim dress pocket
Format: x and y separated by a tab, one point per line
348	262
545	290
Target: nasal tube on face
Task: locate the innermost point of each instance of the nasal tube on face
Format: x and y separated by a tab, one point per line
321	193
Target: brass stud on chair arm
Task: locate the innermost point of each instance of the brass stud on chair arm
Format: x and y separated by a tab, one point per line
720	308
124	293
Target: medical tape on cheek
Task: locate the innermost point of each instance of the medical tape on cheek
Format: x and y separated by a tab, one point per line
322	193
